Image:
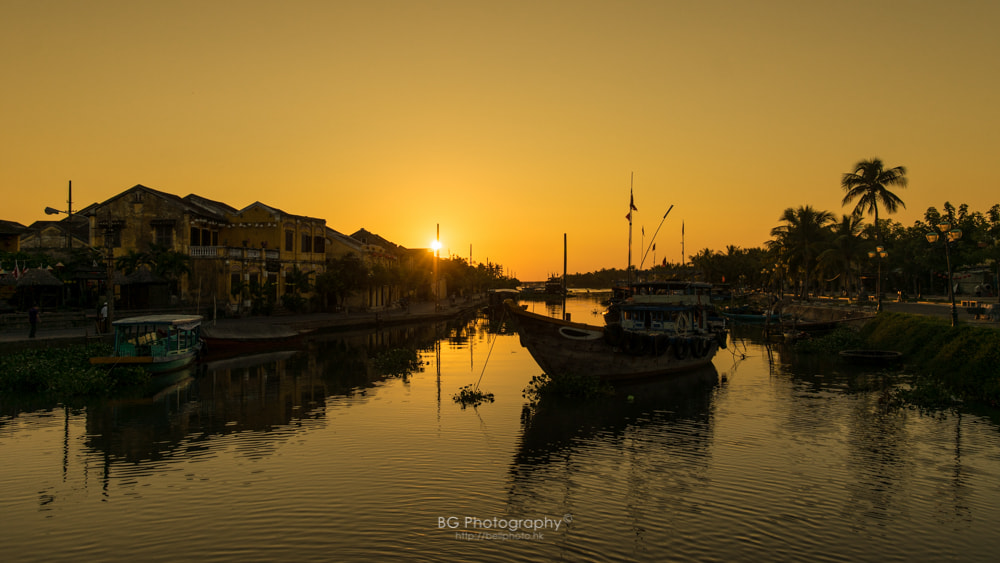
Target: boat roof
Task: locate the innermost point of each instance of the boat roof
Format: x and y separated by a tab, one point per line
671	283
658	306
160	320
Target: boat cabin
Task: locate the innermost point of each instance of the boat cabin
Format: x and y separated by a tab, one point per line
671	292
156	335
677	319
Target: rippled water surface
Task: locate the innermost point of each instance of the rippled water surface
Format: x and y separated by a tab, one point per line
317	454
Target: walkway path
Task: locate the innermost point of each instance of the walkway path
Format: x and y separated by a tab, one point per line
416	312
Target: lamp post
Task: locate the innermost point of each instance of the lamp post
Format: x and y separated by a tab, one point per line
996	280
878	253
69	215
951	235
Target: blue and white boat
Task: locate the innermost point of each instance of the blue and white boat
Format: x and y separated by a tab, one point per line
158	343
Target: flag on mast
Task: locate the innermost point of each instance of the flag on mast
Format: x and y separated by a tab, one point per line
631	205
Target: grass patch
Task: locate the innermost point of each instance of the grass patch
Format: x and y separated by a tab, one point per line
842	338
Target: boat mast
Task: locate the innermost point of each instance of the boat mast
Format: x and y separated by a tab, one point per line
631	208
564	315
682	247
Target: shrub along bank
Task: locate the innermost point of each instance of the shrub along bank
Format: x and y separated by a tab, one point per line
962	362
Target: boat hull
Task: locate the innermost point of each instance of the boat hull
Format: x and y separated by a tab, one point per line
563	348
158	364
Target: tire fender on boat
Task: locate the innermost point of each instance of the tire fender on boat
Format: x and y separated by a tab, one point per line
706	345
661	343
682	323
682	347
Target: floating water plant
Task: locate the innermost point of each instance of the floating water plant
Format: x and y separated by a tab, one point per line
472	396
568	386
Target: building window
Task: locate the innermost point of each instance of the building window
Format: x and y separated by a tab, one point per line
318	245
163	235
195	236
289	241
306	242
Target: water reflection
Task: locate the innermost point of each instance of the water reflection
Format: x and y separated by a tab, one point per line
270	393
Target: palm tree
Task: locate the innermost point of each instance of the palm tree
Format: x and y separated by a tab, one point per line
801	239
132	261
846	250
169	264
869	184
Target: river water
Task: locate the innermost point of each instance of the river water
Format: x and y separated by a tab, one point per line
317	455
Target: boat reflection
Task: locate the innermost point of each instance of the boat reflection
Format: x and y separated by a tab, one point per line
554	429
645	450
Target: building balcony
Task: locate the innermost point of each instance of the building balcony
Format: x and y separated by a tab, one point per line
234	253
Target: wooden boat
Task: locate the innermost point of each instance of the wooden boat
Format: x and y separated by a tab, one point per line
641	346
247	336
871	356
554	286
750	315
158	343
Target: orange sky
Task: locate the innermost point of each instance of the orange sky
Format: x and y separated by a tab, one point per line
508	123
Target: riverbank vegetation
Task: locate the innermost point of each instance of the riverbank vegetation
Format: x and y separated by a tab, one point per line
65	372
948	364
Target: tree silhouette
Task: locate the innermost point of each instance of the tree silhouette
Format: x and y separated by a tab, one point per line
869	183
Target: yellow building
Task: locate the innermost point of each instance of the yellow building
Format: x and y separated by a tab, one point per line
231	250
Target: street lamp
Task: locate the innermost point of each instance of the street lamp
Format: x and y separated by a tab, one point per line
951	236
69	215
879	253
996	280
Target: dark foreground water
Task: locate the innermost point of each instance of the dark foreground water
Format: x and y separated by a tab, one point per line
316	455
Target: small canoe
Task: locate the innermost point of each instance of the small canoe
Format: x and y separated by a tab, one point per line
871	356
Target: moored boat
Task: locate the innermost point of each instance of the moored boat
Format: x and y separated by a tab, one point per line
247	337
750	315
157	343
649	341
871	356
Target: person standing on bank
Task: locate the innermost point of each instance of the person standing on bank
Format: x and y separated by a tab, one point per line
104	317
33	317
